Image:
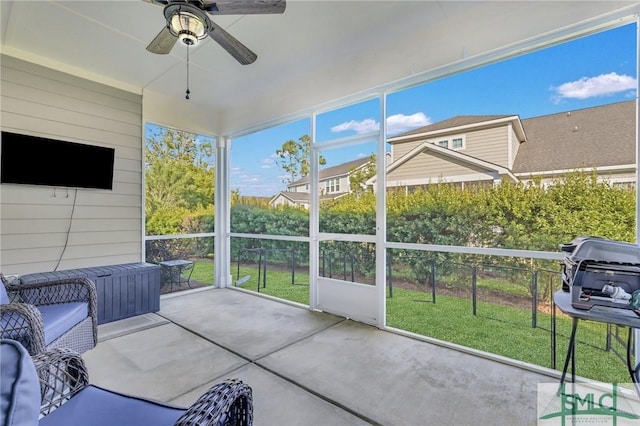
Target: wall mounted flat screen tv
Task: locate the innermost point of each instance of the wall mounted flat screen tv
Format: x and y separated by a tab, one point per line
32	160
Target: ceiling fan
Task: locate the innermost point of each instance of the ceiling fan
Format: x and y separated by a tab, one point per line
189	22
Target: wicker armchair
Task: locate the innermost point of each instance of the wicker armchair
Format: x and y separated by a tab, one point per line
68	399
54	314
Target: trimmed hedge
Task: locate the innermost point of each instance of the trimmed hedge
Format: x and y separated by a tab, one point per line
510	216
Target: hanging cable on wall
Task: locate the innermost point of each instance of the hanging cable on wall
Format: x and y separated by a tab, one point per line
66	242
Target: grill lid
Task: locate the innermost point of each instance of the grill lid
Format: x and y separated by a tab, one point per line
598	249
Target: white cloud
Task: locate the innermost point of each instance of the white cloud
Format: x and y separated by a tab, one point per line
588	87
399	123
267	163
396	123
364	126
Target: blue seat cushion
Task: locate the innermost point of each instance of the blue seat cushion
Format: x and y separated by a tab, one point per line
96	406
19	386
4	297
61	317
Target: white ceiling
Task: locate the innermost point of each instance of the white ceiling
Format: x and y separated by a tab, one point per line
313	54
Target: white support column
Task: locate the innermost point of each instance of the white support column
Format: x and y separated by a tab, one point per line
143	195
314	218
222	246
636	334
381	216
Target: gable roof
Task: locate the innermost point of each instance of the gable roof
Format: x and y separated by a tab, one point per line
427	146
304	197
462	123
294	197
329	172
449	123
445	152
599	136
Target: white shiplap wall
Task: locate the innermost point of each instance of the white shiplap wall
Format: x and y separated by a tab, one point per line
104	227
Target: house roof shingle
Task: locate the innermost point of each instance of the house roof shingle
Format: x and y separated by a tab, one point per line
457	121
598	136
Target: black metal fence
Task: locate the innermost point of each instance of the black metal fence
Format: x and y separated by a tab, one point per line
531	288
261	256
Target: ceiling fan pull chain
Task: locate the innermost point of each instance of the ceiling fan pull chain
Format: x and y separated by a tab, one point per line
188	92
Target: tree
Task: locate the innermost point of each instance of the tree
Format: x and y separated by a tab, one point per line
293	158
180	178
170	144
358	176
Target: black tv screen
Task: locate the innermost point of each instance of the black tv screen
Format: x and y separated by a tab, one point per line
32	160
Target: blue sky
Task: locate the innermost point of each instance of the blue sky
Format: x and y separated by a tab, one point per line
595	70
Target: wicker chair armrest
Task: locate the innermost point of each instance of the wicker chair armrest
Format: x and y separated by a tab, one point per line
22	322
65	290
62	374
226	403
77	289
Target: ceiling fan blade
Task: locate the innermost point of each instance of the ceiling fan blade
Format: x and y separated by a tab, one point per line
231	45
163	43
244	7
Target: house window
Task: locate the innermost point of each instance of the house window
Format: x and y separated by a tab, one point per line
624	184
444	144
332	185
456	143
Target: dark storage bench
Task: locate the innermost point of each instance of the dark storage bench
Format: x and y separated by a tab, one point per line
123	291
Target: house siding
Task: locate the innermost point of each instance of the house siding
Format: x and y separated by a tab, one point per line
299	188
343	182
400	149
432	165
515	144
105	226
280	201
489	145
612	177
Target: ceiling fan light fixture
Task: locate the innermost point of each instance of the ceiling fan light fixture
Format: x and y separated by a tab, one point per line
188	21
188	27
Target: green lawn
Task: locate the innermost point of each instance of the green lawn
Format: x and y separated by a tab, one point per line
203	271
497	329
505	331
278	283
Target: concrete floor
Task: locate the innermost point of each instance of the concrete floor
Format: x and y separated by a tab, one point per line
305	367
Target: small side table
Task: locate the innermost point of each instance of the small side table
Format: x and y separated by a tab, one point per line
173	270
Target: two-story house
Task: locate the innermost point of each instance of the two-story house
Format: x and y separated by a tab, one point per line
489	149
334	183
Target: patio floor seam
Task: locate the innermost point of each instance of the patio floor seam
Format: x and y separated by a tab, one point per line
297	384
300	339
317	394
245	357
257	363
